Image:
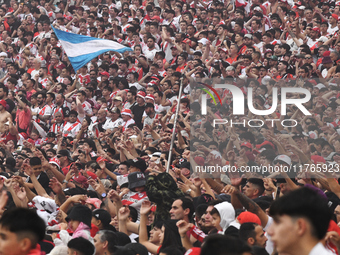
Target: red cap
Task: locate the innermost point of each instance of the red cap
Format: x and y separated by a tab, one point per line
199	160
3	103
60	66
316	29
151	83
126	112
141	94
30	141
55	161
156	18
150	97
97	107
317	159
100	158
81	180
105	73
92	175
248	145
222	49
245	217
327	53
258	146
24	135
335	16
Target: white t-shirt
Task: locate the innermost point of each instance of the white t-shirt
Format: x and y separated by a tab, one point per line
269	243
332	30
109	124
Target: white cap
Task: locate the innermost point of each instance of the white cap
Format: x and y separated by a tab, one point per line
265	80
258	8
203	41
216	154
320	86
248	36
301	7
283	158
3	54
155	154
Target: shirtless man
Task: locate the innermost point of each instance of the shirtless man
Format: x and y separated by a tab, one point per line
4	115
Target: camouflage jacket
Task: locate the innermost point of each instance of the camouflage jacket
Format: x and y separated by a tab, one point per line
162	190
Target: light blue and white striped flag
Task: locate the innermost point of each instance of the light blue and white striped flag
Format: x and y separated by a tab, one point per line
81	49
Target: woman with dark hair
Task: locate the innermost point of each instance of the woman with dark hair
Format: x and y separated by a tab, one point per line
138	50
123	84
13	53
169	235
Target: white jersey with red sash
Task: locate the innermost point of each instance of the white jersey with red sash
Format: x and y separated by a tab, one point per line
71	129
125	27
87	107
43	82
128	123
334	124
134	199
45	111
113	94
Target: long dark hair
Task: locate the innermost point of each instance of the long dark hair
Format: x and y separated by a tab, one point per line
171	235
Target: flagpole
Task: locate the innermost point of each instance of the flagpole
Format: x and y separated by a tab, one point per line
175	123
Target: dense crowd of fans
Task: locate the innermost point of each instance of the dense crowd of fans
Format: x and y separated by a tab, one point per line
87	151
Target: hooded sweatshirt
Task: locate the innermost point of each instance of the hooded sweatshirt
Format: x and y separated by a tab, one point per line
227	214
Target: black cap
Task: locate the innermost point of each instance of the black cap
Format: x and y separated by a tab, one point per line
66	111
136	179
80	213
185	165
138	163
102	215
